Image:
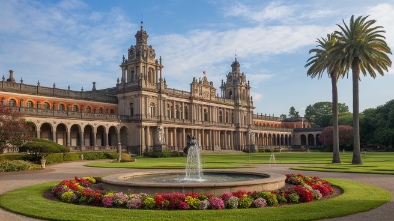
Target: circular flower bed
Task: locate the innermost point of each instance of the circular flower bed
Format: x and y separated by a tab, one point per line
305	189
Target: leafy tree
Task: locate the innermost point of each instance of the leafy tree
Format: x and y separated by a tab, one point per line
365	50
345	135
14	130
345	119
41	147
320	113
293	112
377	125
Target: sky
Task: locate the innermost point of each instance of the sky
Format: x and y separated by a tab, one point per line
77	42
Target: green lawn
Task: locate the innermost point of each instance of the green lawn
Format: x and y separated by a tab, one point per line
29	201
373	162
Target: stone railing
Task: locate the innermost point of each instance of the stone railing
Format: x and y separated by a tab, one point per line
56	92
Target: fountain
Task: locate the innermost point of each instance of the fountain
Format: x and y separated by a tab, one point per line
194	180
193	163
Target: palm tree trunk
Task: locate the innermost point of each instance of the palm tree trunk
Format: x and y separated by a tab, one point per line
335	133
356	127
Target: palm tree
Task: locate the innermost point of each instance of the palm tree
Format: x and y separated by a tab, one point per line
365	49
327	59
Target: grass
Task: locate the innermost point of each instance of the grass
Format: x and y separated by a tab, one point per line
373	162
29	201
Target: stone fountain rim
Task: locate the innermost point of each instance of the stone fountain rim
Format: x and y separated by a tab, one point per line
118	179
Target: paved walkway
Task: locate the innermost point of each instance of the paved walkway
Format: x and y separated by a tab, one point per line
11	181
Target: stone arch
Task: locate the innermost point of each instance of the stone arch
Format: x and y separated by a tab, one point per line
29	103
311	140
75	139
61	134
88	135
303	139
112	136
62	107
100	136
46	131
123	135
12	102
75	107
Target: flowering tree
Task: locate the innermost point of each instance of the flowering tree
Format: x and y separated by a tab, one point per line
14	130
345	135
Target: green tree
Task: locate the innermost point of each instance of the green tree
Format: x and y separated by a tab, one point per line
293	112
14	130
320	113
345	118
377	125
41	148
365	50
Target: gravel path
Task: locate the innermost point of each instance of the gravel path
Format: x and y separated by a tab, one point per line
11	181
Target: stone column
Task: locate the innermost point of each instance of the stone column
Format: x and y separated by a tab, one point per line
142	139
94	137
147	141
183	137
68	137
106	138
82	137
225	140
38	133
175	139
54	135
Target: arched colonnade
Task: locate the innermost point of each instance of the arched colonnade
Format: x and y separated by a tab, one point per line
81	135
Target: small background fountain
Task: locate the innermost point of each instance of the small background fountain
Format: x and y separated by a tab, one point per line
194	180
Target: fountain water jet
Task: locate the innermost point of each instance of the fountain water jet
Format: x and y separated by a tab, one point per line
193	163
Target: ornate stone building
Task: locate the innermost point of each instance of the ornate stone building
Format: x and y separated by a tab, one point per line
143	114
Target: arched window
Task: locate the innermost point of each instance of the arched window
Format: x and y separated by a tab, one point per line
75	108
112	111
12	103
61	107
29	104
88	109
100	110
46	106
220	116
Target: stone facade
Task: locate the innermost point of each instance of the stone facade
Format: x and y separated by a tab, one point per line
143	114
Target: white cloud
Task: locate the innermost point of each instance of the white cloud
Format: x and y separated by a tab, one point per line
272	11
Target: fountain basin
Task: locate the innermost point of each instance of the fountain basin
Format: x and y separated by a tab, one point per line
134	183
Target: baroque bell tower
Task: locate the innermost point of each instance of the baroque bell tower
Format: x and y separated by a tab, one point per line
238	89
141	68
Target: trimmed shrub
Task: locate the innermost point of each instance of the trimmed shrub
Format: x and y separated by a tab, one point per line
4	157
125	157
72	156
14	165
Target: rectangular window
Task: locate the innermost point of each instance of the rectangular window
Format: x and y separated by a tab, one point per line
131	109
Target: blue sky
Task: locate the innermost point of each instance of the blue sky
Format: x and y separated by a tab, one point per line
77	42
